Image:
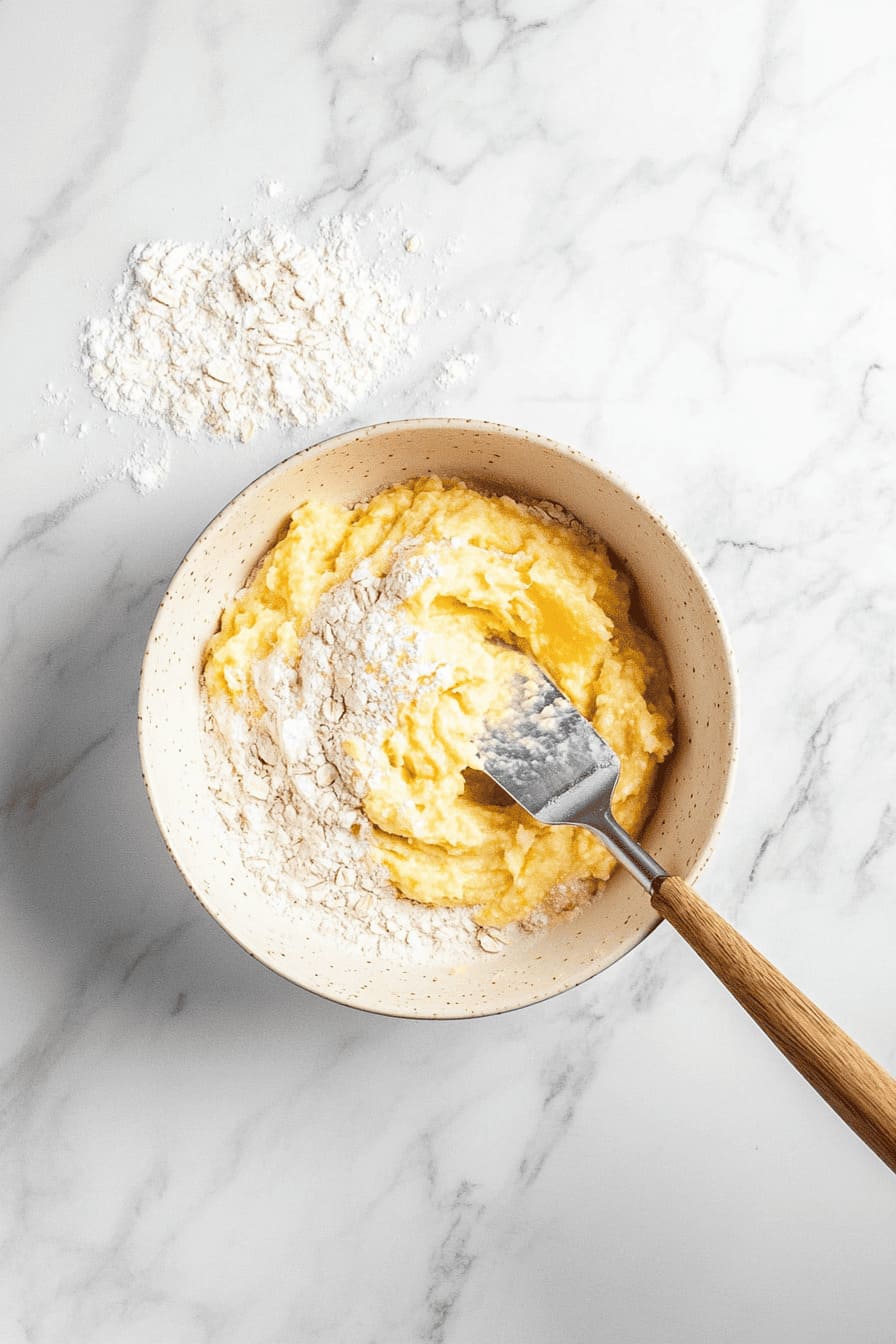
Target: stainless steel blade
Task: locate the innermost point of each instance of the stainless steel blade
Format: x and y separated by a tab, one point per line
549	759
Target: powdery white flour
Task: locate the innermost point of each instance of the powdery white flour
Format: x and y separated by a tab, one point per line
262	329
291	796
147	468
456	369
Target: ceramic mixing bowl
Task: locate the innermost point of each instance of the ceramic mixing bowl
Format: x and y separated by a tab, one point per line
676	606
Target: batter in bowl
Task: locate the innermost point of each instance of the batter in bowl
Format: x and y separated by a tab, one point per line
457	582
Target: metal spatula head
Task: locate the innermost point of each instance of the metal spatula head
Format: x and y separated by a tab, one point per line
550	760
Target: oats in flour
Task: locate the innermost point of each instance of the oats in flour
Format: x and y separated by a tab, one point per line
291	796
262	329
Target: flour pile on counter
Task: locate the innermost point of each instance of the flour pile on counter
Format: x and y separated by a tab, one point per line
346	691
263	329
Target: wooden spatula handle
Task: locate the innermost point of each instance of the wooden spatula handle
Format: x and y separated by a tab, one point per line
860	1091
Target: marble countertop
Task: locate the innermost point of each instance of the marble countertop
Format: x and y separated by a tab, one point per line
691	213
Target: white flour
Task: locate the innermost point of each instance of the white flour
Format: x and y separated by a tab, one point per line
456	369
147	469
263	329
292	796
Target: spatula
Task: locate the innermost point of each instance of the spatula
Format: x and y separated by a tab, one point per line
550	760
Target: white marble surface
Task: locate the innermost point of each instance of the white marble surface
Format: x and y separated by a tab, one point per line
693	210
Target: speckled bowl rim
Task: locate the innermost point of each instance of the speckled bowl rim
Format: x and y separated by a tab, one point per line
562	450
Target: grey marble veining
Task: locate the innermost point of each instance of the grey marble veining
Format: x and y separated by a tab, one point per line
693	212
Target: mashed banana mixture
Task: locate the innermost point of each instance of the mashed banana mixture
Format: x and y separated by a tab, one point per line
494	570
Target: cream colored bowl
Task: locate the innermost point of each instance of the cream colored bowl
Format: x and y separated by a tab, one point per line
677	607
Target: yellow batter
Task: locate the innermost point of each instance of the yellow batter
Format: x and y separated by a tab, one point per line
503	571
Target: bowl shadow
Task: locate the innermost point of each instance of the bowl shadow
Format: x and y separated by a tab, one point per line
98	902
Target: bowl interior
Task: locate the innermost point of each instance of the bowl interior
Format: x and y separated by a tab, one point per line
677	608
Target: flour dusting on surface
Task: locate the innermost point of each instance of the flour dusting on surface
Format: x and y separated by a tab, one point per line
457	368
147	468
